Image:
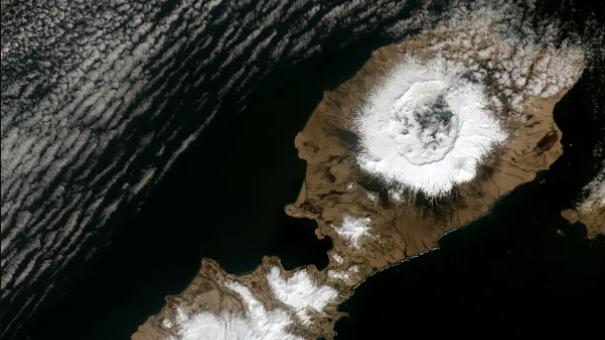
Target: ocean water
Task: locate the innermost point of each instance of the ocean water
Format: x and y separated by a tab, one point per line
222	200
522	271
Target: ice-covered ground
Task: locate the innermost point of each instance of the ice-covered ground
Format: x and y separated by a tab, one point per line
299	292
353	229
343	275
426	128
429	124
255	323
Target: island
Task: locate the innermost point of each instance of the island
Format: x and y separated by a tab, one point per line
590	210
422	140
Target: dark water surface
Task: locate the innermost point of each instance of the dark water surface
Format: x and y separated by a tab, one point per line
520	272
222	200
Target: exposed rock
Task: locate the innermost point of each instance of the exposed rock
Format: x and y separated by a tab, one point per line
385	227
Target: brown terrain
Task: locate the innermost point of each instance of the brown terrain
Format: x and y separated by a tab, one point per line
591	213
335	187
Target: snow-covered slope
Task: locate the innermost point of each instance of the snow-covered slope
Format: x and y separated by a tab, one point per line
427	128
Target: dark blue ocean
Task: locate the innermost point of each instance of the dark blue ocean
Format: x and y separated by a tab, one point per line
520	271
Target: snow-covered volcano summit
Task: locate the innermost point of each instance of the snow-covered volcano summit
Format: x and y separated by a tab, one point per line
423	124
426	128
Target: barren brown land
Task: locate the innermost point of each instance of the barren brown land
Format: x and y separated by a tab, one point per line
335	188
591	213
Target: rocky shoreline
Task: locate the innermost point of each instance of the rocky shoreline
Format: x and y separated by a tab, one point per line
590	211
372	228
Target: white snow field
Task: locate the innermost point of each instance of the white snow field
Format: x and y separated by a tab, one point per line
426	128
256	323
353	229
300	292
428	125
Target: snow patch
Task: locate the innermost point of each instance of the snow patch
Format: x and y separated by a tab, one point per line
256	323
337	258
300	292
372	196
341	274
353	229
167	323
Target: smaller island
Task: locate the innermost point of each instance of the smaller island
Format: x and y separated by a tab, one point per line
590	211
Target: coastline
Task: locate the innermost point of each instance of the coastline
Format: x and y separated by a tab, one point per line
334	187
